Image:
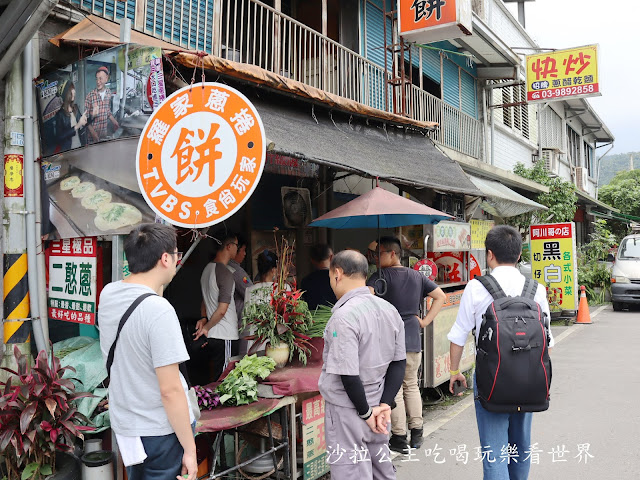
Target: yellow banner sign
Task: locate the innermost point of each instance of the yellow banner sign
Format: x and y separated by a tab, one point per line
479	230
553	263
564	73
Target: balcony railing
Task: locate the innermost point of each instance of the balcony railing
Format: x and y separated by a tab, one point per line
248	31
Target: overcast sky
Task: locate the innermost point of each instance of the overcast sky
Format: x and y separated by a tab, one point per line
613	25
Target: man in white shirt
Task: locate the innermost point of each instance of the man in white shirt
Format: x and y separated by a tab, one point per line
148	401
496	430
220	324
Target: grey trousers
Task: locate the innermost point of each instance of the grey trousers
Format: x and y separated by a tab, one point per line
353	450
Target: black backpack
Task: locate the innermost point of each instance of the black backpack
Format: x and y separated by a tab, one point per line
513	369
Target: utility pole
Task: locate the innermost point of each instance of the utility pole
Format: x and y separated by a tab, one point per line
16	325
630	161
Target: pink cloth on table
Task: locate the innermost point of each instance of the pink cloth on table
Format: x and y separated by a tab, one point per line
226	418
295	377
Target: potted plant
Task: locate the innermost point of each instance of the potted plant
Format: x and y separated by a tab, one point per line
283	319
37	417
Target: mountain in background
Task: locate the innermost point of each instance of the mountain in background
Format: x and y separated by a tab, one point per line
612	164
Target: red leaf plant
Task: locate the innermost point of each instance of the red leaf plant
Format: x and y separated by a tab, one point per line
37	416
284	316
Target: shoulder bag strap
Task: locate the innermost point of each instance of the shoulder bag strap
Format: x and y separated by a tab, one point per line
492	286
530	288
123	320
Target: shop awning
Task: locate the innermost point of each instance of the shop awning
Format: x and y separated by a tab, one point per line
587	199
398	155
503	202
101	32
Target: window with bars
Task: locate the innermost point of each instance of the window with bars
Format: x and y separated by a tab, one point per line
514	116
573	147
588	158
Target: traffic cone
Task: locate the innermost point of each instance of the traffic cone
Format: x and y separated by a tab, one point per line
583	308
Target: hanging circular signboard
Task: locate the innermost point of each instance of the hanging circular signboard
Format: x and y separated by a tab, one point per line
201	155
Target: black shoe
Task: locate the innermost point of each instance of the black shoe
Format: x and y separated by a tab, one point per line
416	437
398	443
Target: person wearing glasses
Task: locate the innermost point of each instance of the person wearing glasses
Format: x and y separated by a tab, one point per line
406	290
148	401
219	322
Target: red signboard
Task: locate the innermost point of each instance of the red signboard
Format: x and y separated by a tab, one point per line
13	175
557	230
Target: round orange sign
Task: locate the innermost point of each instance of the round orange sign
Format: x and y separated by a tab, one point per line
201	155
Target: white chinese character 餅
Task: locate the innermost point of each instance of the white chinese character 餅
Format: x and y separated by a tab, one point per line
247	164
157	131
217	100
210	205
181	105
243	121
227	198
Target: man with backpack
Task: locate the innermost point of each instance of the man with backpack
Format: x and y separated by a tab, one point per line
510	315
142	345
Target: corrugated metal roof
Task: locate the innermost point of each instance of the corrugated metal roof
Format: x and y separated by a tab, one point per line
503	202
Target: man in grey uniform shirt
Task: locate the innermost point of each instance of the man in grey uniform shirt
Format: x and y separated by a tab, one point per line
363	366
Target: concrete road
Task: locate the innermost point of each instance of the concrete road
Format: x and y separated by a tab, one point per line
595	400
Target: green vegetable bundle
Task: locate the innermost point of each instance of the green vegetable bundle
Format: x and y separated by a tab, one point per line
240	387
321	317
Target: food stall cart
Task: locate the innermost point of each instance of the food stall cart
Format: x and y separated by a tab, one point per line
448	261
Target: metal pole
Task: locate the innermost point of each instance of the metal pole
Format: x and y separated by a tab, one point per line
598	174
15	291
493	136
41	277
30	180
540	107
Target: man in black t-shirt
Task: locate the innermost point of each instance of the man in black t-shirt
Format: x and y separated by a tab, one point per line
316	287
406	289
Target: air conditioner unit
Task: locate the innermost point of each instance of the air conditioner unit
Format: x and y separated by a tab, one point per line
551	159
581	178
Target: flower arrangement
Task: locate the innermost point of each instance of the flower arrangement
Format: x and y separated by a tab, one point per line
284	317
207	398
38	416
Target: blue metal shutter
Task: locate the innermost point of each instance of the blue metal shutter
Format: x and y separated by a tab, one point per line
468	94
374	41
451	83
111	9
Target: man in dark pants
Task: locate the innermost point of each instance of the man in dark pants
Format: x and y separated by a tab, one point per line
148	401
363	365
220	322
316	286
406	290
